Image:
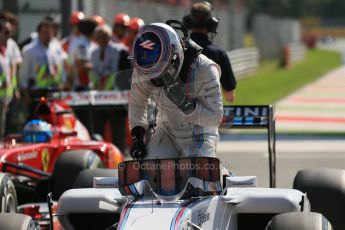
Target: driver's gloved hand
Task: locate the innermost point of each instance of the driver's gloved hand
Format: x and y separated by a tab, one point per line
175	92
138	149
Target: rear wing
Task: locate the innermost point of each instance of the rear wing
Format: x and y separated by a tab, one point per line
255	117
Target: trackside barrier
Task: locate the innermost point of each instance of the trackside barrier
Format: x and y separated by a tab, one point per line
255	117
244	61
294	52
94	98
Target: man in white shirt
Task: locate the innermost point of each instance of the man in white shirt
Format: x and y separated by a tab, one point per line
43	63
108	59
79	56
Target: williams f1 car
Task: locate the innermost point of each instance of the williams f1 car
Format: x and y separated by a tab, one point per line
191	193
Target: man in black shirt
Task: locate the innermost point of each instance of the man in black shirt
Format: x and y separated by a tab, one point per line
201	22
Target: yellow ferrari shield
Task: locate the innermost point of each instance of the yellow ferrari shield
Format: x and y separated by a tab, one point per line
45	159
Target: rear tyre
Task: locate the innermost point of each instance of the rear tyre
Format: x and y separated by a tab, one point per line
11	221
299	221
68	166
8	196
325	189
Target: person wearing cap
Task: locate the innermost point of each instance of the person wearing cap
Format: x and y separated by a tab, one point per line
98	19
120	27
188	103
202	23
75	17
133	27
107	63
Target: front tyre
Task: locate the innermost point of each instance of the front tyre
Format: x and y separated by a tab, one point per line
325	189
68	166
8	196
299	221
11	221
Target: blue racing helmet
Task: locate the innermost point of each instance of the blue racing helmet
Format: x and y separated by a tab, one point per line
158	51
37	131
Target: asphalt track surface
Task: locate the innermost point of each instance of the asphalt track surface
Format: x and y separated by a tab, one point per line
247	155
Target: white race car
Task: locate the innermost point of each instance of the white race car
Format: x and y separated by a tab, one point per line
183	193
190	193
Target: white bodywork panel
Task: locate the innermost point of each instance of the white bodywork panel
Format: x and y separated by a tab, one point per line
209	212
105	182
205	212
241	181
266	200
86	200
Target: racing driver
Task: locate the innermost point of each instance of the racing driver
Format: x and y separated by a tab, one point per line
184	85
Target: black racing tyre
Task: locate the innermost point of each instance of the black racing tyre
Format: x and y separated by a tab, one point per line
325	189
8	196
11	221
85	177
68	166
299	221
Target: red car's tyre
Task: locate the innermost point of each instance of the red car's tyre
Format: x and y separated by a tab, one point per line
68	166
11	221
8	196
299	221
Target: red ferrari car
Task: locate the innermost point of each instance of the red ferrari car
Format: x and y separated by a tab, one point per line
30	169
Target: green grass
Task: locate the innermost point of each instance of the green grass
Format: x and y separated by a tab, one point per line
272	83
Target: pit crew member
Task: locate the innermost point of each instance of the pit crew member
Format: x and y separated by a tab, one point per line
120	27
202	23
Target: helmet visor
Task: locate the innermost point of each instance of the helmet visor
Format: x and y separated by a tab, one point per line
147	50
36	137
152	51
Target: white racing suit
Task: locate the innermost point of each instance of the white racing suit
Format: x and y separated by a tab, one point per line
177	134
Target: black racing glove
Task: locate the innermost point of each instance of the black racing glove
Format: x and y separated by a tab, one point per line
175	92
138	149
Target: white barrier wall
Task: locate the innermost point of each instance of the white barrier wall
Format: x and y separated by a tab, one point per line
272	34
244	61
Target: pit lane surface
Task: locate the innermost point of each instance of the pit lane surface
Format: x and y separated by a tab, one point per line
248	155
